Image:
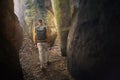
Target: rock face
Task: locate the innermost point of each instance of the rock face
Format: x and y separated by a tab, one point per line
74	5
19	8
93	48
10	42
51	26
63	18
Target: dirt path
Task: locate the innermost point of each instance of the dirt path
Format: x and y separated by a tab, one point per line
57	70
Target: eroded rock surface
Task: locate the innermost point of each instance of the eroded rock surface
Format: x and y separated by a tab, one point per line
10	42
63	17
94	43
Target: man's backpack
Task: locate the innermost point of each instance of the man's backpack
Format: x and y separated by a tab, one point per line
41	34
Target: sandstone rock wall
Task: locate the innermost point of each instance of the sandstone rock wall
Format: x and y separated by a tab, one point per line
10	42
62	13
19	8
93	42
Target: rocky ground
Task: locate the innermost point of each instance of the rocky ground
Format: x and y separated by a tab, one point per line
57	70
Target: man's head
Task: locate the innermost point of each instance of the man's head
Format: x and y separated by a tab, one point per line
40	22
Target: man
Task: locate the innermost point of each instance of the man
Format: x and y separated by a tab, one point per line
41	40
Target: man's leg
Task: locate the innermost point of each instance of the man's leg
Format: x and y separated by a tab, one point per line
41	53
46	53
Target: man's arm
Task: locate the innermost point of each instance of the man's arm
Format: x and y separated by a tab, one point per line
48	35
34	36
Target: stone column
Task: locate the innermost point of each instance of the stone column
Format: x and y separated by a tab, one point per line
63	17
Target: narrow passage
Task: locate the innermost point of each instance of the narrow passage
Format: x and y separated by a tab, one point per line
57	70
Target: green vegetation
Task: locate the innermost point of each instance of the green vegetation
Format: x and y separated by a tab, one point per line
30	14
